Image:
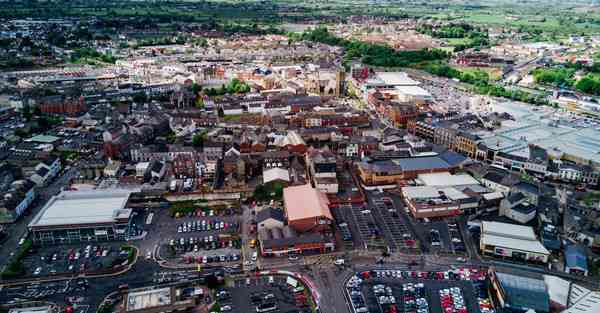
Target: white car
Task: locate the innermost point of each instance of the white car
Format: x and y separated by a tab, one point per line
254	256
339	262
22	241
226	308
37	271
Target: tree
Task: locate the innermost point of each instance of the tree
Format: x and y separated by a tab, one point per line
140	97
198	139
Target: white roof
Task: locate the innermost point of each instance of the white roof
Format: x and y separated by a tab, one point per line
447	179
83	207
426	192
506	229
413	91
493	195
396	79
558	289
276	173
590	303
511	236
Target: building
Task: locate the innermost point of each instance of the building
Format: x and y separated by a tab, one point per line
322	165
517	207
283	241
62	105
512	241
307	209
519	293
431	201
276	174
269	218
576	260
45	171
161	300
16	199
75	216
391	172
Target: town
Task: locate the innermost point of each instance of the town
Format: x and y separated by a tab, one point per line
372	162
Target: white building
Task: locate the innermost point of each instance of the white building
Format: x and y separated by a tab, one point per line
512	241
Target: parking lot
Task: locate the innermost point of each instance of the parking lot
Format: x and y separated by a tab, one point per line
74	258
389	291
395	229
204	236
365	233
442	237
266	293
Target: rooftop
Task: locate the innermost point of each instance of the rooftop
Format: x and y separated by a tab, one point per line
525	292
305	202
446	179
511	236
83	207
148	299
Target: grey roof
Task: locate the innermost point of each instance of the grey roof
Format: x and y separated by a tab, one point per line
422	163
524	292
453	158
515	197
494	177
525	208
575	257
268	213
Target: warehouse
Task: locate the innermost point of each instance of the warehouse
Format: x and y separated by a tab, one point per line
512	241
307	209
74	216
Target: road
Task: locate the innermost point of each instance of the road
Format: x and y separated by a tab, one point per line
18	230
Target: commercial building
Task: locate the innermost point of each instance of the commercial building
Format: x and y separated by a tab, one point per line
307	209
512	241
518	293
430	201
390	172
282	241
161	300
74	216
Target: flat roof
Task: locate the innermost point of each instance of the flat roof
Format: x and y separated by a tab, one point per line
37	309
427	192
83	207
396	79
148	299
413	91
446	179
44	138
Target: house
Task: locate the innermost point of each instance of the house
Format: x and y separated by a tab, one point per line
16	200
307	209
112	169
497	180
517	207
322	165
576	260
46	170
270	218
157	170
